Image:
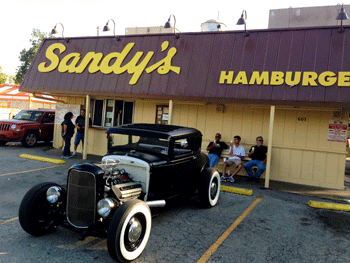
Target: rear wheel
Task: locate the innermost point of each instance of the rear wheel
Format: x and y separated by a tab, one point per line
35	212
3	142
209	189
30	139
129	231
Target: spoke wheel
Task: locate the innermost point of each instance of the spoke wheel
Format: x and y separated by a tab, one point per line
30	140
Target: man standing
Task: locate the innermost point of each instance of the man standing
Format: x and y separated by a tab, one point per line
80	124
258	153
215	149
237	152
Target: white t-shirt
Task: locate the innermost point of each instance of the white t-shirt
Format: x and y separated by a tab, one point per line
237	151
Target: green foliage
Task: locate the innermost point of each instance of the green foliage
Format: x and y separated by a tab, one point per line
3	77
26	56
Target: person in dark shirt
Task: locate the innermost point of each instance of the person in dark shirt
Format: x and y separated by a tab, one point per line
215	149
67	134
258	153
80	124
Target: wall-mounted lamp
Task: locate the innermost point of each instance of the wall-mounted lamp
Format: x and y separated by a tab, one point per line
107	28
55	31
241	21
342	16
168	25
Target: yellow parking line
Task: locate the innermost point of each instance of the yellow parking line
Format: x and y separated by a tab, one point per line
79	243
21	172
225	235
9	220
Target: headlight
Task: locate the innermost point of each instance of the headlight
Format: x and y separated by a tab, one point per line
13	126
105	206
53	194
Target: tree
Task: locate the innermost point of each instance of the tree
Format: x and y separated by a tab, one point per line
26	56
3	77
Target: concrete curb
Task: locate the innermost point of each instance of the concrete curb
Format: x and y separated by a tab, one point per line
333	206
236	190
42	159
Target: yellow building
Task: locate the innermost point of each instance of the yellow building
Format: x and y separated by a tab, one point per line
290	86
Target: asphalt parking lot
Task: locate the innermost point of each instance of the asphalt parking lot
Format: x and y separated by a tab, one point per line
280	227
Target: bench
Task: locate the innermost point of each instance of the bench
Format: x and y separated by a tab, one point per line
225	154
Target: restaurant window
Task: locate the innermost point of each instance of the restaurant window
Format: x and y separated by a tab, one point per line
109	113
162	114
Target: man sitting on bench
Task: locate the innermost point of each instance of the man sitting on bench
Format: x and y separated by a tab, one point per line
236	153
258	153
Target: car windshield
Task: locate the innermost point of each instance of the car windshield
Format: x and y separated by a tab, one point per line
132	142
27	115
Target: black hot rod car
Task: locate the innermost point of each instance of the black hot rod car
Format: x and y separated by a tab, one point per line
146	165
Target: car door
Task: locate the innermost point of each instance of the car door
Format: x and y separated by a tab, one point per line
184	165
47	126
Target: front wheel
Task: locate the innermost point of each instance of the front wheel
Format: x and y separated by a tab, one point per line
129	231
35	212
209	189
30	140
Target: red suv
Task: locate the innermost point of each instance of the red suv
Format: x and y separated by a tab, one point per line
28	127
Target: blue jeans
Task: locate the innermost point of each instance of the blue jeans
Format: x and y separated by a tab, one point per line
252	163
213	159
78	137
66	150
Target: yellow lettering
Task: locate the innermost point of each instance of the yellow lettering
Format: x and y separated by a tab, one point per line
241	78
52	57
277	78
344	79
309	78
71	68
117	69
228	77
295	81
73	63
137	70
96	58
166	62
327	78
256	77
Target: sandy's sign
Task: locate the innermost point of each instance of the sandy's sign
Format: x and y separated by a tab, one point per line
110	63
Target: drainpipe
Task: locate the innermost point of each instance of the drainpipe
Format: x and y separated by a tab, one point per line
269	145
170	112
86	130
30	101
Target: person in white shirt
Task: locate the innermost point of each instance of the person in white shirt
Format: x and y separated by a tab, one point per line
236	152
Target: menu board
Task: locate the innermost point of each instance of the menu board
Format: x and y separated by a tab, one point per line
62	109
337	131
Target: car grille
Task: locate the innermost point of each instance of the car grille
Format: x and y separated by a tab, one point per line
81	198
4	126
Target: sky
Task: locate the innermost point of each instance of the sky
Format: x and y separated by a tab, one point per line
82	17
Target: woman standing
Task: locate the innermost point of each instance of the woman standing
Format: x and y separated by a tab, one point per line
67	134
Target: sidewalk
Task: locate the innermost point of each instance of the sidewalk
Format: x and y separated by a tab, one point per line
323	193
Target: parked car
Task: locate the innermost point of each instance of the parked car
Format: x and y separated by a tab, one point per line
146	165
28	127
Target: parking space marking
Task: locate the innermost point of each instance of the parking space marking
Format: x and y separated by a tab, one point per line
225	235
9	220
20	172
79	243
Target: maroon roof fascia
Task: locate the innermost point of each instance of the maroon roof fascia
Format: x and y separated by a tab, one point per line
202	56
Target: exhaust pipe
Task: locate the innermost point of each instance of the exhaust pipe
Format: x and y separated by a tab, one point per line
157	203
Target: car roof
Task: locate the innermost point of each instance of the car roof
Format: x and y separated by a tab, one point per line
46	110
155	130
